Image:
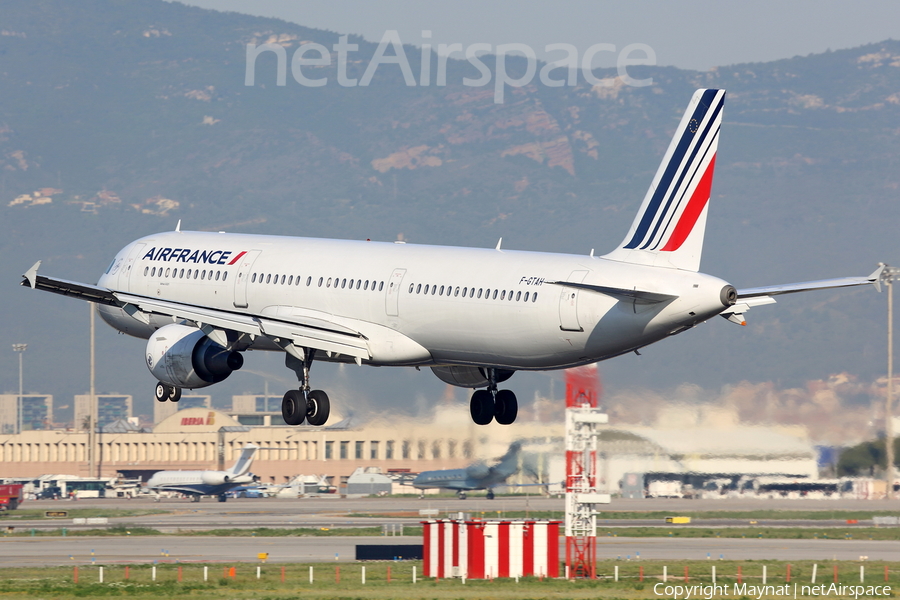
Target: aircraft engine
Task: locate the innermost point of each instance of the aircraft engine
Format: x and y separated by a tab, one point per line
470	377
214	478
184	357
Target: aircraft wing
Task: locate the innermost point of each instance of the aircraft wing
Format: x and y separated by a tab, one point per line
750	297
291	334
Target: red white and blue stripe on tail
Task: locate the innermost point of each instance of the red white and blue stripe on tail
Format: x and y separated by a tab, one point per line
669	228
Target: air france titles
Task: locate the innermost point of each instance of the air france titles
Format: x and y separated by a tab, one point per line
186	255
708	592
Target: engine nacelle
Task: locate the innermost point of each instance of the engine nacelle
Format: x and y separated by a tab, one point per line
184	357
469	377
214	478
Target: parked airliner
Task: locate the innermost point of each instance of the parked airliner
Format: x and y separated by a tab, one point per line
475	316
207	483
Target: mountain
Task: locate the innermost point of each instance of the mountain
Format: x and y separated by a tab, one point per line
118	119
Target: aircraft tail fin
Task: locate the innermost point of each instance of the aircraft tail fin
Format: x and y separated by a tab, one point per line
242	466
668	230
509	462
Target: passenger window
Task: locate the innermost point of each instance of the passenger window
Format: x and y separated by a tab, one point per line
472	293
167	272
426	288
380	285
291	280
534	298
203	275
181	274
518	296
495	295
510	295
351	284
269	278
224	275
419	289
153	272
197	273
358	282
442	291
282	279
479	292
503	294
456	292
328	283
320	282
366	286
343	283
465	291
526	296
412	286
146	270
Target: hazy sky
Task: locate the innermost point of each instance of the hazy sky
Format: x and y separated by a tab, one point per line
692	34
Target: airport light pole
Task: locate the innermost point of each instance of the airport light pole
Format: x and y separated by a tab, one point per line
20	348
888	276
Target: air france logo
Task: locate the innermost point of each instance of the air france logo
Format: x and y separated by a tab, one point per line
186	255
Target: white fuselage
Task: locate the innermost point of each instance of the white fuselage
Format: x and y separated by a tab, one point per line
483	307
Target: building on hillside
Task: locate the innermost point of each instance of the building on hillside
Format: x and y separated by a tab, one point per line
37	412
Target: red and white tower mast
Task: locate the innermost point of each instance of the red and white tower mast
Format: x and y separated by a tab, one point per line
583	419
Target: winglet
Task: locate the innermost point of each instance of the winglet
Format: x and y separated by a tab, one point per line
877	276
31	274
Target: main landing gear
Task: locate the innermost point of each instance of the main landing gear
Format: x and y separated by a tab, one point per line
312	406
493	404
165	392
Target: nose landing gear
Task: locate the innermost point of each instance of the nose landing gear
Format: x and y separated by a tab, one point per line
165	392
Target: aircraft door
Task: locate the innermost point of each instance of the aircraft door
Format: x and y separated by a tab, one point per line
242	278
126	268
392	293
568	303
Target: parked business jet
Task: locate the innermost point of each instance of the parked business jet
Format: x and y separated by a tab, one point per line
207	483
475	316
477	476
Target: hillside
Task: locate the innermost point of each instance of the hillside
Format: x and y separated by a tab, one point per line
117	119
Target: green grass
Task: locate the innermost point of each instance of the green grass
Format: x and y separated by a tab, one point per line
57	582
773	533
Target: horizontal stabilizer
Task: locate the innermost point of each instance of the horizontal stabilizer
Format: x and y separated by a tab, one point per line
823	284
639	296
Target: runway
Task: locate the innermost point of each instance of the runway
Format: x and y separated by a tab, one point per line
248	513
47	551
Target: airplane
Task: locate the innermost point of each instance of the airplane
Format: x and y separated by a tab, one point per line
207	483
474	316
478	476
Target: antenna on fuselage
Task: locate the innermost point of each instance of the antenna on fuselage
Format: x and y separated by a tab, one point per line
178	226
500	241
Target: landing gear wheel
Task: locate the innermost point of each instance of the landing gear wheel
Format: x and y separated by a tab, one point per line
222	497
164	392
293	407
318	407
506	407
195	498
461	495
490	494
481	407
